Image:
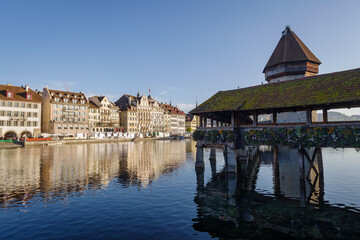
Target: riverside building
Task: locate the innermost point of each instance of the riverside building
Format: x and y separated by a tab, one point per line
65	113
103	115
20	112
174	119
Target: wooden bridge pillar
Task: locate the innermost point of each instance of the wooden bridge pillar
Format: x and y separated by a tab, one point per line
200	178
313	180
213	162
302	176
199	158
276	180
325	115
255	117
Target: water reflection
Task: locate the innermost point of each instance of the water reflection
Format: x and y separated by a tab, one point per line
233	206
50	173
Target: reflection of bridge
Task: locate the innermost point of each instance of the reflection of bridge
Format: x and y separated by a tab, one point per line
229	206
298	173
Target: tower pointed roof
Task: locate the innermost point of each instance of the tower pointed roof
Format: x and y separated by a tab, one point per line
290	49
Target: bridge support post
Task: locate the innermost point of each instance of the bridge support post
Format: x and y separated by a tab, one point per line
302	176
213	162
199	158
276	170
200	178
321	174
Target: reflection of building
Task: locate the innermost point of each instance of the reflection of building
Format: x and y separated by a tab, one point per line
60	170
20	112
65	112
146	162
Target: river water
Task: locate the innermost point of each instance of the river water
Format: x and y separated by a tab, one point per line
150	190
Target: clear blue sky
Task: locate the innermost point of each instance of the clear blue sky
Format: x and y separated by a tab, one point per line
181	49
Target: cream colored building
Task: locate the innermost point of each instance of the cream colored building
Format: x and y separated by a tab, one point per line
141	114
174	119
65	113
94	118
20	112
109	114
190	123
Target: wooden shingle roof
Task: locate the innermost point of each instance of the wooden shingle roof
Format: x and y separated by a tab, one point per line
290	49
319	90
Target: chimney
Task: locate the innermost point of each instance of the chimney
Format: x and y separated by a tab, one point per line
9	84
26	87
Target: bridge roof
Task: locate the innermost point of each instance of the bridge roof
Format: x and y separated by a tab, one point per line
320	90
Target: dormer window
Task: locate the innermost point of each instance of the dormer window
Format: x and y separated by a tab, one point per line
67	95
9	94
74	101
28	96
59	94
66	100
82	102
56	99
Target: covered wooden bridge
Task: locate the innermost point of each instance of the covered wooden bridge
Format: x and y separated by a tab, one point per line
241	108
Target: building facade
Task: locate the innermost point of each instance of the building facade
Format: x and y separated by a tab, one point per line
65	113
109	114
190	123
20	112
94	118
174	119
128	113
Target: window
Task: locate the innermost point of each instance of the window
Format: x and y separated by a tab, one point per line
82	102
9	94
8	113
66	100
22	114
56	99
16	114
28	123
74	101
16	104
35	105
22	105
28	114
3	103
9	104
2	113
28	96
29	105
8	123
1	123
16	123
35	114
35	124
22	123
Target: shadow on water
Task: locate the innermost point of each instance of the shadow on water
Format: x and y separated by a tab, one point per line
229	206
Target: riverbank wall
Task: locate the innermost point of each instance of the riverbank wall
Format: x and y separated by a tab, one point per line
79	141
